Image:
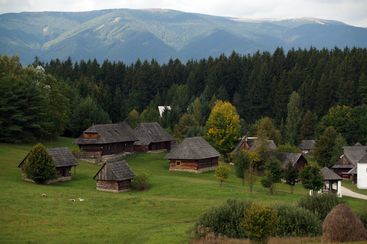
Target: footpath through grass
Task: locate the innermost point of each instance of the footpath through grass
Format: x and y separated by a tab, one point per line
164	214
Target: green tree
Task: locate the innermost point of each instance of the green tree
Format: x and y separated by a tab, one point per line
223	127
133	118
329	147
273	174
362	89
290	175
308	126
150	114
311	178
222	173
242	164
293	118
266	129
39	165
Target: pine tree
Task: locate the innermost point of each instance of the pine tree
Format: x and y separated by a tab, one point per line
39	165
293	118
308	126
241	164
362	89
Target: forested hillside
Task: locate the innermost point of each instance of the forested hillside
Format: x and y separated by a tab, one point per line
70	96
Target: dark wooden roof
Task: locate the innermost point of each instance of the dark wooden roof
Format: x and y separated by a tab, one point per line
353	171
147	133
193	148
307	145
363	160
115	170
328	174
61	156
108	133
354	153
253	143
286	158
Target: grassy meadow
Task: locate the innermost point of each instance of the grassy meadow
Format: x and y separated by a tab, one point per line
166	213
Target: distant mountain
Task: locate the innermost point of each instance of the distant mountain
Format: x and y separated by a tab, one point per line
126	34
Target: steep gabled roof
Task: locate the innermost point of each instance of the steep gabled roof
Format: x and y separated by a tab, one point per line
353	171
147	133
307	144
286	158
354	153
115	170
108	133
253	143
328	174
363	160
61	157
193	148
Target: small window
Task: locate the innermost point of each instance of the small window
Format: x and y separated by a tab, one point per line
178	163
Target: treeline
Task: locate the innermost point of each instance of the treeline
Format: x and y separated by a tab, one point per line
258	85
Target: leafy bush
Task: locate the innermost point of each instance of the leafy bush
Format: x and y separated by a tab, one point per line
224	220
259	222
141	182
222	173
296	221
320	205
39	165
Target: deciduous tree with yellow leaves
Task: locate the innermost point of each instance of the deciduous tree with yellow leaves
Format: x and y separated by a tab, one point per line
223	127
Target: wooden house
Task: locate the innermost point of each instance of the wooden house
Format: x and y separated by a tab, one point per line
252	143
107	139
307	146
351	155
63	159
296	159
151	137
114	176
332	182
193	154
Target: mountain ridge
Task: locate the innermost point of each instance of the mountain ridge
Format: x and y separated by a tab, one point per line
129	34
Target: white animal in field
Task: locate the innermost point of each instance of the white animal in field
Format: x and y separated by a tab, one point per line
43	195
81	199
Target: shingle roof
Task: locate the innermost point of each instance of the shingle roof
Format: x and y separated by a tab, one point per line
342	166
363	160
354	153
115	170
307	145
147	133
353	171
193	148
287	158
253	143
61	156
108	133
328	174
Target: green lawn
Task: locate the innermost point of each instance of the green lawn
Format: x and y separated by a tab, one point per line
164	214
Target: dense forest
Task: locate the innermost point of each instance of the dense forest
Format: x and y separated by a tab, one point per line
65	97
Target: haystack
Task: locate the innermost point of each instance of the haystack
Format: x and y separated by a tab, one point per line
341	224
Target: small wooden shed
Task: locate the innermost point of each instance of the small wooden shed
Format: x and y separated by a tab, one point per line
152	137
332	181
63	159
296	159
194	154
114	176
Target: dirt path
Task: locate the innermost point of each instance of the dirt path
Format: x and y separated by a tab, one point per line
349	193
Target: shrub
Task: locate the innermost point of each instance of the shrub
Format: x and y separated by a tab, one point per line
341	225
224	220
259	222
141	182
296	221
222	173
320	205
39	165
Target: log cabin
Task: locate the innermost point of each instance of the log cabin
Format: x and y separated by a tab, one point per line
107	139
349	159
63	159
248	143
193	154
114	176
152	137
296	159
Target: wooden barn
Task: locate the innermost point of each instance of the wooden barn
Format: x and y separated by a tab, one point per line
296	159
63	159
251	143
349	159
107	139
151	137
114	176
194	154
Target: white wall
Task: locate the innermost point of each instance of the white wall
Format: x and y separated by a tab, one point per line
362	176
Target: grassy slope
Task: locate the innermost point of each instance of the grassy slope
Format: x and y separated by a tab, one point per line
164	214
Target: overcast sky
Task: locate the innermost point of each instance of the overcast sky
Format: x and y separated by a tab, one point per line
350	11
